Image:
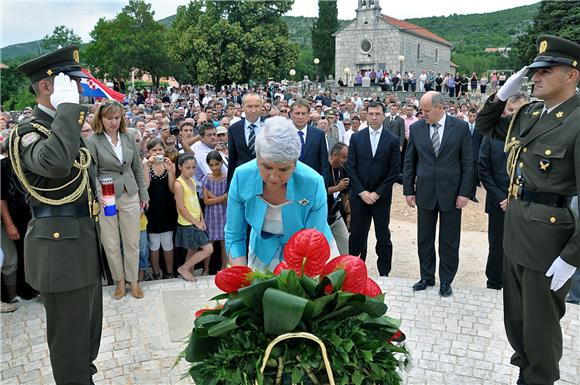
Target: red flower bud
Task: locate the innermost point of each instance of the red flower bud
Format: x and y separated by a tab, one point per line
308	249
396	337
372	289
200	312
233	278
281	266
356	272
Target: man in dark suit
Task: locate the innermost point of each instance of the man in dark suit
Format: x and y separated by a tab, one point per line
396	125
314	152
242	134
495	180
476	139
437	177
373	166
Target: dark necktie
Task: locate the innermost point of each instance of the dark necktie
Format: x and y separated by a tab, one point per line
301	135
435	140
252	139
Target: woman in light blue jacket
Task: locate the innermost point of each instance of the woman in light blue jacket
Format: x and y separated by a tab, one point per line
276	195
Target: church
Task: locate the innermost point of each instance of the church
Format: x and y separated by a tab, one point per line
376	41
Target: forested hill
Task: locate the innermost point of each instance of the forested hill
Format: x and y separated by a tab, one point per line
475	32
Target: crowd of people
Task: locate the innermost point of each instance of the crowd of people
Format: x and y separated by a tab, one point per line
233	173
142	145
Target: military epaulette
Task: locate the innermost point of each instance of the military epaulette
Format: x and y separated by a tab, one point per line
31	125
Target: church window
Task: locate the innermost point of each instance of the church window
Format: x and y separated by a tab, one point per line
436	55
366	46
418	51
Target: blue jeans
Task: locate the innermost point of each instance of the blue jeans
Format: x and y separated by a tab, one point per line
143	250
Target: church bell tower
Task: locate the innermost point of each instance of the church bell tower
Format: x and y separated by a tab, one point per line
368	11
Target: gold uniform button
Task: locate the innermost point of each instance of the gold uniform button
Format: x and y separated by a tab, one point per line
548	152
525	149
521	164
552	219
56	235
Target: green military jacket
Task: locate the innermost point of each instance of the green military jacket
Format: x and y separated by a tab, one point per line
549	162
61	253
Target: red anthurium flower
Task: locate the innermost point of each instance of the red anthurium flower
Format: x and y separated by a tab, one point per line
356	272
233	278
396	337
200	312
372	289
281	266
308	249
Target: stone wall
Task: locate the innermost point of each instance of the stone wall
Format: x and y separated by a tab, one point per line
426	61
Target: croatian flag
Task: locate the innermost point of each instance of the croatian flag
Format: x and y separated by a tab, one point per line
95	89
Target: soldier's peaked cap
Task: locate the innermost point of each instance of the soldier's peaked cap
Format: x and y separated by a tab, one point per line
554	51
64	60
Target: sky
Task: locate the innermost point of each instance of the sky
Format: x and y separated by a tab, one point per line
28	20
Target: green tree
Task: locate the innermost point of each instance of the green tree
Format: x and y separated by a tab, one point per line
323	43
61	36
132	40
14	85
224	42
561	18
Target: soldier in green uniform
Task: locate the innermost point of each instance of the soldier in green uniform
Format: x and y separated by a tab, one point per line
542	235
62	247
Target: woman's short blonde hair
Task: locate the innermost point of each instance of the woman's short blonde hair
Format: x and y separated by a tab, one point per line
107	109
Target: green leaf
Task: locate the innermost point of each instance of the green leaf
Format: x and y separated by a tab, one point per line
371	306
382	322
367	355
309	284
200	348
223	327
252	295
297	374
336	278
232	305
206	321
293	284
282	311
357	378
220	297
315	308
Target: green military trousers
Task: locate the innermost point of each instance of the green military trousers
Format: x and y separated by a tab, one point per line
74	324
532	313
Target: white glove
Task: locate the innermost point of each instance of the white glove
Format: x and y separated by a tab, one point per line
512	86
561	272
65	90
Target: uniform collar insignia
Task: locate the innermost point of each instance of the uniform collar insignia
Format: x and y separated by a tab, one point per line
535	113
559	114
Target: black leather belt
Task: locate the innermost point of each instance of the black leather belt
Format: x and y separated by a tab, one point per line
548	199
77	210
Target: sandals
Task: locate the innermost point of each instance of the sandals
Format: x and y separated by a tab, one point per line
119	292
136	291
7	307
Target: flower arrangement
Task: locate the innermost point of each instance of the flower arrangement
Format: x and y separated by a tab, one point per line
331	302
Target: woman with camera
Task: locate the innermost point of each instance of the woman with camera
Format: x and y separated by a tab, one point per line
116	156
159	172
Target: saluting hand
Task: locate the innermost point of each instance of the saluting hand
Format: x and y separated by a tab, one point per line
65	90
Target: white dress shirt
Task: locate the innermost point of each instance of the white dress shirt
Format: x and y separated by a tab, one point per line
117	148
375	136
257	123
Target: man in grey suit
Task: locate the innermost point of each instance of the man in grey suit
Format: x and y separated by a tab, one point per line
437	178
395	124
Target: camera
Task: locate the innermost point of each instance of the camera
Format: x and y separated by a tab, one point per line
173	130
159	158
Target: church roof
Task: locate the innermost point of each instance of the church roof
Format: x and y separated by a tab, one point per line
415	30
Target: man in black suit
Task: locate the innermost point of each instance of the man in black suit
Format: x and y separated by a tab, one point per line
373	166
495	180
396	125
313	152
242	134
476	139
437	177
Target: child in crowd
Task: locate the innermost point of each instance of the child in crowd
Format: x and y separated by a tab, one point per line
191	227
159	172
143	247
215	198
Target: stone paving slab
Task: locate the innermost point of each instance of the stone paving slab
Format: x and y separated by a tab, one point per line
454	341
